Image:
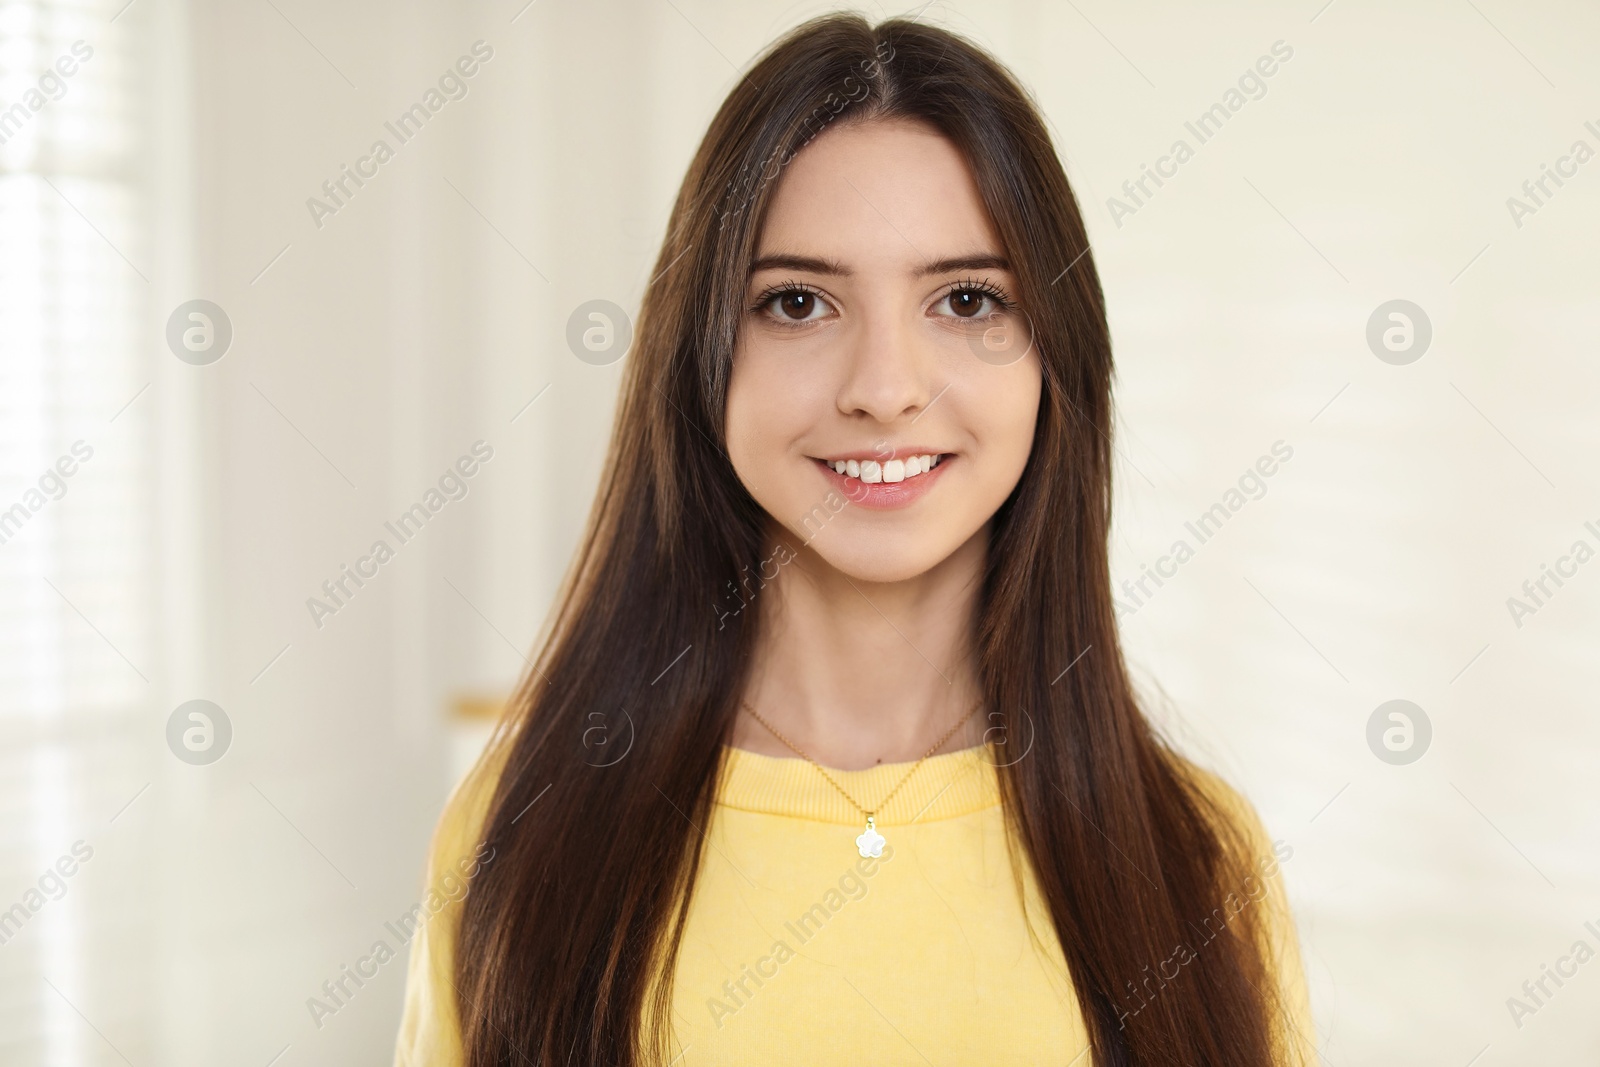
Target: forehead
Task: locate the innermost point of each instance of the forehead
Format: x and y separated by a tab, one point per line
881	193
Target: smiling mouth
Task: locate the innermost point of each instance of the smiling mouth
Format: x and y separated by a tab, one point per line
874	472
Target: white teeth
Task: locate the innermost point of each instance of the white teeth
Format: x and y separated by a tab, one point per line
891	471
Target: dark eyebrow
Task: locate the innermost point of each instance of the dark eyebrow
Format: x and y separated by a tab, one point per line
805	263
833	268
982	261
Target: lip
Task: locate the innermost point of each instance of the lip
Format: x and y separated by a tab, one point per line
884	496
878	453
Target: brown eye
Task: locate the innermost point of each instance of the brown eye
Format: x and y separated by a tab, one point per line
972	301
792	305
796	304
966	302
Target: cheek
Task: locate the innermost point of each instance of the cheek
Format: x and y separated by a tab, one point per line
743	422
763	419
1006	412
1027	406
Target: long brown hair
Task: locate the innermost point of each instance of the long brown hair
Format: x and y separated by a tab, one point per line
587	897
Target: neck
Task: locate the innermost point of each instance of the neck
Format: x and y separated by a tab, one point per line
859	673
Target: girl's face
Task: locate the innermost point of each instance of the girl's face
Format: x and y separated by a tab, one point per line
881	335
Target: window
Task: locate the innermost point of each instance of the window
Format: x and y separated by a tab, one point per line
79	645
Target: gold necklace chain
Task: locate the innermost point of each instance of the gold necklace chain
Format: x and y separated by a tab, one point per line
870	843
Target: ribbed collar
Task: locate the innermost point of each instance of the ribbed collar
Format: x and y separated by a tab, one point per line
947	785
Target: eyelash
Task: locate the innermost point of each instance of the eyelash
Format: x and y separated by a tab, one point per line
781	289
987	288
969	285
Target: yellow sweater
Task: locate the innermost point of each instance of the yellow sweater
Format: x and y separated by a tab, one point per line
799	951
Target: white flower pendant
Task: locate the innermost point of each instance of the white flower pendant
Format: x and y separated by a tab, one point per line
870	843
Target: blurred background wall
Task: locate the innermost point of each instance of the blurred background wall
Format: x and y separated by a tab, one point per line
1424	467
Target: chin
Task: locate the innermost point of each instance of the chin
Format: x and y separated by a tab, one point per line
880	557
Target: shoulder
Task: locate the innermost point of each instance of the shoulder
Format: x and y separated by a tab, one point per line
457	852
1257	882
1229	805
458	833
1254	858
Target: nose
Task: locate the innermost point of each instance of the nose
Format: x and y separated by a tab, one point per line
889	374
